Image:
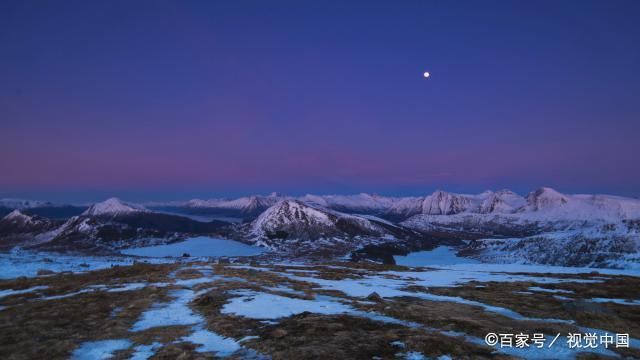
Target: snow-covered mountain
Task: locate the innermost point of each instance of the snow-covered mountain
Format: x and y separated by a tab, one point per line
446	203
545	226
501	224
503	201
18	222
545	198
290	218
104	226
245	207
361	203
18	228
292	226
112	207
293	219
593	245
251	204
544	204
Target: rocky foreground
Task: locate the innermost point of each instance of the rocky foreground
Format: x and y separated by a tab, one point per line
200	310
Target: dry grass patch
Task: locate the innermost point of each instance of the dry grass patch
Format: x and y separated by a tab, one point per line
57	327
607	316
312	336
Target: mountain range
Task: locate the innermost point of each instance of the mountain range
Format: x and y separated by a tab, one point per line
544	226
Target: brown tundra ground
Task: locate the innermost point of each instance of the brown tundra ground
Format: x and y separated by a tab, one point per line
343	310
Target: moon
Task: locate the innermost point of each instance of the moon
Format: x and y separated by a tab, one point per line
426	74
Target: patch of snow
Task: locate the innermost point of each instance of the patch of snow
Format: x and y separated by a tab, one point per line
211	342
195	281
176	312
257	305
616	301
144	352
68	295
414	355
27	263
388	288
536	288
102	349
9	292
247	338
284	289
128	287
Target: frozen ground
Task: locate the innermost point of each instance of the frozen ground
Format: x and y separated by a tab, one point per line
26	263
245	310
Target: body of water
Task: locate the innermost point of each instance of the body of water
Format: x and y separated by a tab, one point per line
442	255
197	246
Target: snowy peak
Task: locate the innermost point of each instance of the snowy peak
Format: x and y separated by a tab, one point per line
503	201
197	203
245	205
294	220
250	204
542	204
545	198
17	216
444	203
361	203
290	214
112	207
18	222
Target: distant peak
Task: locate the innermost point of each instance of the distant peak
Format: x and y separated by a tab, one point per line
22	204
15	214
546	190
112	206
546	197
439	194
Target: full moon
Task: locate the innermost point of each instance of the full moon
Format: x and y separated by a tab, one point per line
426	74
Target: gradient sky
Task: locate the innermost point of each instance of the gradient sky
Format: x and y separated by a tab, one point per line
172	99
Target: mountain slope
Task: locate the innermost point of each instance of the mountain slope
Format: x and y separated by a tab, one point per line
17	222
113	207
362	203
598	245
295	227
18	228
114	224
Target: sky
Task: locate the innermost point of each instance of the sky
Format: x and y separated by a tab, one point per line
177	99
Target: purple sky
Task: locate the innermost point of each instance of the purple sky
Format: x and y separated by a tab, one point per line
170	99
